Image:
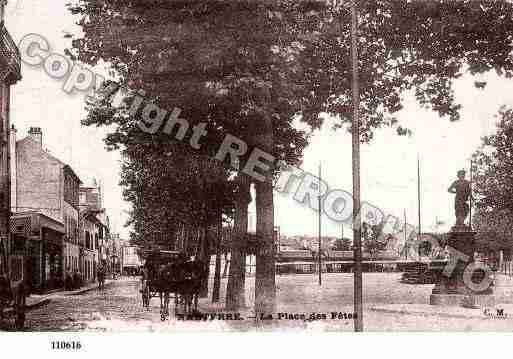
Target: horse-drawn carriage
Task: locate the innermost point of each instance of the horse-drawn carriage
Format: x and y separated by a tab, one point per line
171	273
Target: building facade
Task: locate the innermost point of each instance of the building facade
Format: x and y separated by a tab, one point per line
130	260
10	74
89	236
46	188
94	228
116	254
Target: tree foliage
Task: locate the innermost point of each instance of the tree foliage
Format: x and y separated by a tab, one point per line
417	47
492	183
216	60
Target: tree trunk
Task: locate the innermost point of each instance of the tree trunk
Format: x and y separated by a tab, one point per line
217	274
235	289
265	286
204	256
225	267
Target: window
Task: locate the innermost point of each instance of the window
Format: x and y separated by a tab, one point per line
70	188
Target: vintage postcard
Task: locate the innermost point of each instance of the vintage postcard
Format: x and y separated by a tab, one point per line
255	166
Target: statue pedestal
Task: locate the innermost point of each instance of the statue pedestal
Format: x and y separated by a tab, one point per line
450	289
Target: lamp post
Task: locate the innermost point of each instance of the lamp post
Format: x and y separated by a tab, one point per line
320	226
470	199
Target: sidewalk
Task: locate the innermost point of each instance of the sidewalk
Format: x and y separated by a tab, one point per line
38	300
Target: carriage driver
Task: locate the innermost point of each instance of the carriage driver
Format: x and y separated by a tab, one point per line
144	277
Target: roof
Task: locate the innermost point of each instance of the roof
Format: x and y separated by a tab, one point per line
73	174
91	213
38	219
340	254
289	241
295	254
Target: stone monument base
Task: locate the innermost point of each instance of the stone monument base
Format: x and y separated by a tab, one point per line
451	290
462	300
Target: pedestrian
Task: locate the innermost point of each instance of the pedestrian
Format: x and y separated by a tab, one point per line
68	280
101	277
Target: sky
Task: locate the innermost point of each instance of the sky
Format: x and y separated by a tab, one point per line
389	162
38	100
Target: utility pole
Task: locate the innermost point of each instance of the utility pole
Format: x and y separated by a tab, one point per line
470	205
419	203
405	238
357	233
320	216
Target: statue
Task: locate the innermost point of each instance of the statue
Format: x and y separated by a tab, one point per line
461	187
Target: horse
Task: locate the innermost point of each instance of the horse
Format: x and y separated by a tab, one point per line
193	274
167	277
181	277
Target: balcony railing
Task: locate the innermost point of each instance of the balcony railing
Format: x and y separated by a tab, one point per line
10	58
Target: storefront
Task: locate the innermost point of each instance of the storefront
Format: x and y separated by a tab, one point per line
44	243
52	260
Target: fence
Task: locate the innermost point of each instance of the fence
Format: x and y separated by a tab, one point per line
310	267
250	265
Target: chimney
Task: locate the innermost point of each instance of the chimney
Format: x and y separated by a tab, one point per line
3	3
36	134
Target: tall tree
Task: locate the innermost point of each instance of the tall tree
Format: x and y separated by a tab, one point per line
492	183
216	60
235	288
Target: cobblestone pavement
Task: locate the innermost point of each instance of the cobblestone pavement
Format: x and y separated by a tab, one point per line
119	302
119	308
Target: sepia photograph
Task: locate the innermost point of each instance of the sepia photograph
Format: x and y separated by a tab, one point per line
255	166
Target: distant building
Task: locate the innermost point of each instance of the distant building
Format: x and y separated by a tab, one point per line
116	253
96	229
289	244
130	259
251	222
88	225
